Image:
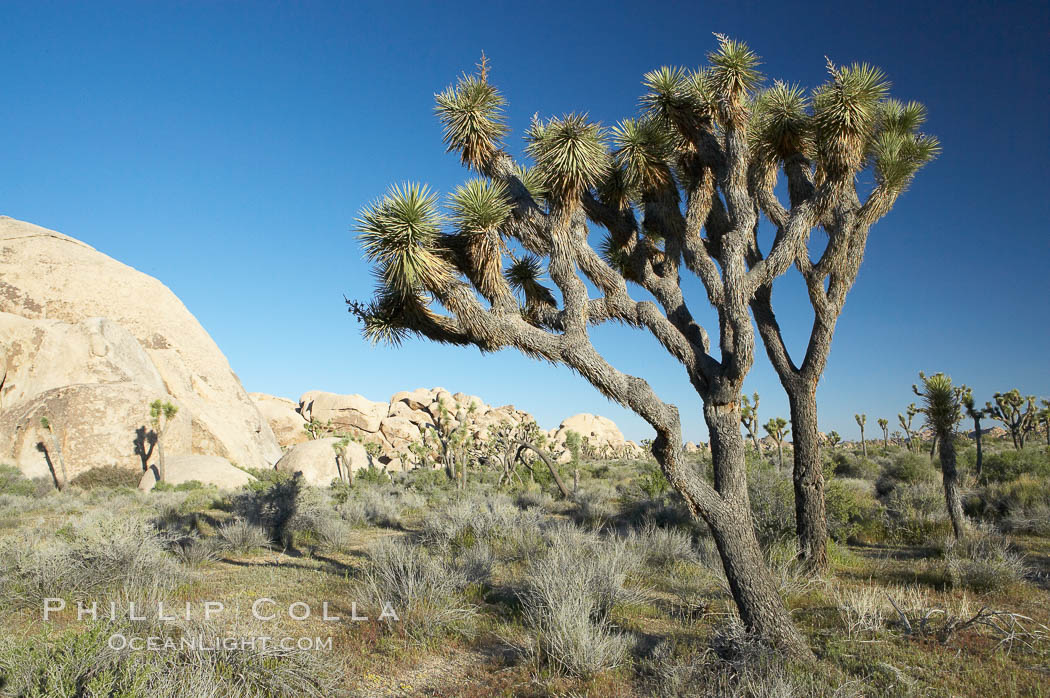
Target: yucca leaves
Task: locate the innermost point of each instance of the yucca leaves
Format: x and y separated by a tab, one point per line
781	124
734	74
642	149
524	277
479	206
845	114
472	116
893	115
616	257
898	156
570	154
941	401
399	234
676	96
533	182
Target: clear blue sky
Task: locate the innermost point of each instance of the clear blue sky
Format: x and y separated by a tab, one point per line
226	148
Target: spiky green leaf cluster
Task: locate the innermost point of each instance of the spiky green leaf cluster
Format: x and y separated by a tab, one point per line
781	125
676	96
570	154
472	115
641	152
616	257
941	401
734	71
479	206
524	277
898	150
399	234
533	182
845	113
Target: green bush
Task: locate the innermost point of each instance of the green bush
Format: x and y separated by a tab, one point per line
187	486
854	515
907	469
1011	464
772	503
111	476
12	481
849	466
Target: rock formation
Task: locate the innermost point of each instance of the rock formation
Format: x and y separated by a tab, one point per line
89	342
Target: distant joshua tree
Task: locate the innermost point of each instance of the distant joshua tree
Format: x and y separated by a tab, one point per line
834	439
862	419
749	418
54	455
776	428
679	190
884	424
1044	417
975	413
906	425
1018	414
942	405
161	414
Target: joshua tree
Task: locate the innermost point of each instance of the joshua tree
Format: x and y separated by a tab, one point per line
681	189
1044	417
776	428
506	444
54	455
884	424
448	437
834	439
849	127
1017	413
749	418
161	414
862	419
898	438
342	463
942	405
906	425
975	413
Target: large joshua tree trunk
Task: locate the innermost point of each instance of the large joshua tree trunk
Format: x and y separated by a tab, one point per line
950	477
811	524
733	529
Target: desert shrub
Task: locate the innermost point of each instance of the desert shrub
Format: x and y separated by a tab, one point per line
188	486
905	469
196	552
847	465
916	513
492	519
422	590
87	554
1011	464
1020	506
662	547
735	666
241	536
476	563
853	512
594	507
81	662
772	503
535	498
567	596
983	562
12	481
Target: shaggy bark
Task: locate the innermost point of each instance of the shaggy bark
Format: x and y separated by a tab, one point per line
950	477
980	451
811	523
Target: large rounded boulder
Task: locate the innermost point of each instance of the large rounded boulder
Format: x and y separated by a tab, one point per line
71	291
